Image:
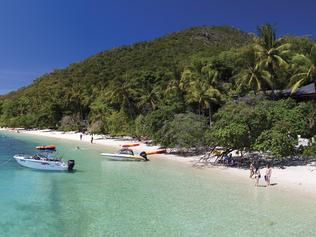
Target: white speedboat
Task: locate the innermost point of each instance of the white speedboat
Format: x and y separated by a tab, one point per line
44	162
126	155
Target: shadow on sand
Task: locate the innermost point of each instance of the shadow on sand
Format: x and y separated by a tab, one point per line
265	186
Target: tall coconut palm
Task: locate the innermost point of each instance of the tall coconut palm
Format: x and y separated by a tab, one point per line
254	78
207	96
214	72
270	51
148	98
120	92
199	88
306	72
188	77
76	101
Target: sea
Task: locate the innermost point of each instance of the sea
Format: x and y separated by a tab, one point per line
155	198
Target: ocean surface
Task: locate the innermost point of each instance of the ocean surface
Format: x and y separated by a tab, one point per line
156	198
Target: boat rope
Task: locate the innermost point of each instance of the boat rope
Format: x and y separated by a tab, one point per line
5	162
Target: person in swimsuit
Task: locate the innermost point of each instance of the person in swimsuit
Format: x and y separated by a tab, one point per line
252	170
267	177
257	176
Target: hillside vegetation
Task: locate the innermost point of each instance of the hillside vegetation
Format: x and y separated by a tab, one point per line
151	89
72	91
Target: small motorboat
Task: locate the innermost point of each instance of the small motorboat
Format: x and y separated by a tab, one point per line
44	161
126	155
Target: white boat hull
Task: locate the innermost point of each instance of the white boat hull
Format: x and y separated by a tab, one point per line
40	164
123	157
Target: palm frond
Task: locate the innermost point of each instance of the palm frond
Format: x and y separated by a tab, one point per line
280	60
297	85
284	47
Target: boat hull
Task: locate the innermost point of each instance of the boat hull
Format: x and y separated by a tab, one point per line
40	164
122	157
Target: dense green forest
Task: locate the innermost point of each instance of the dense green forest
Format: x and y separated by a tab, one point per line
195	88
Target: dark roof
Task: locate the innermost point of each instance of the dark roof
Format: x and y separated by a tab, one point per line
302	91
308	89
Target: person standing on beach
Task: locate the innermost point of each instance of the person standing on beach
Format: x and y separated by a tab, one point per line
80	136
91	139
267	177
257	176
252	170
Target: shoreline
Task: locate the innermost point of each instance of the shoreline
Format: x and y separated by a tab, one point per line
293	179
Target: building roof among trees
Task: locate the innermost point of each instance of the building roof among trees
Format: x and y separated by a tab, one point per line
302	92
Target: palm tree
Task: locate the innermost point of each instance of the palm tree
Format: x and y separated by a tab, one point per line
187	84
121	93
254	78
306	70
148	99
199	87
270	51
207	96
214	72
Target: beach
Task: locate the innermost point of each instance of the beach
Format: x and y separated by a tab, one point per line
300	179
166	196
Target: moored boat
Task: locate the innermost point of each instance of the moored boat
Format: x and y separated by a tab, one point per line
126	155
44	163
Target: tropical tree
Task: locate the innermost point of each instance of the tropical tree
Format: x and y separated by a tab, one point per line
306	69
253	77
206	95
143	84
121	94
199	87
184	131
271	52
77	100
277	141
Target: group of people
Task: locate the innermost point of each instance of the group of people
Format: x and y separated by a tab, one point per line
256	175
81	135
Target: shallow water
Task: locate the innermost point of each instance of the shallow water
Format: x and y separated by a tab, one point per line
156	198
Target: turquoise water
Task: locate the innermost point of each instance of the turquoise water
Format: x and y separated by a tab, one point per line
156	198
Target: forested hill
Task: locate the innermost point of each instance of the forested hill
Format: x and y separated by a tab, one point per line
205	86
72	91
171	52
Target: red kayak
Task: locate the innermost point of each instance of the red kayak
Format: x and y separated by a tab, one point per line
49	147
130	145
159	151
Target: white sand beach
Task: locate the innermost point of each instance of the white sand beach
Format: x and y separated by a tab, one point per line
296	178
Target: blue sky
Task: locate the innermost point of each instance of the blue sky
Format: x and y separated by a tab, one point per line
37	36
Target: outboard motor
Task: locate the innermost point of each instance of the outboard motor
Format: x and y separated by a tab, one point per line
144	155
71	164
